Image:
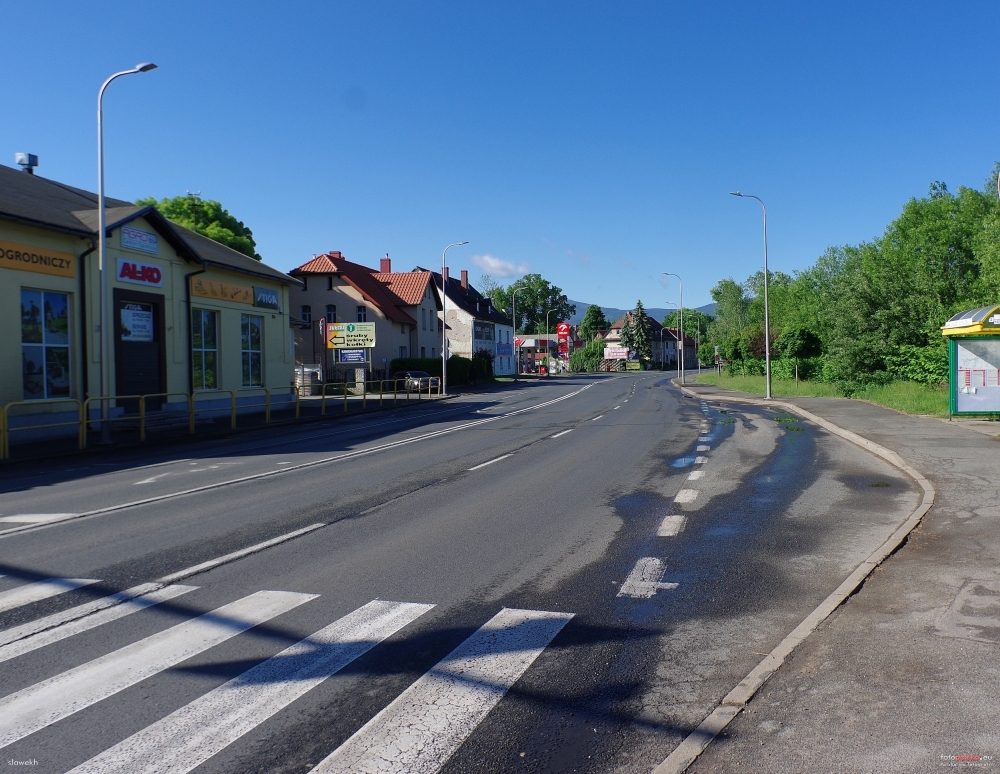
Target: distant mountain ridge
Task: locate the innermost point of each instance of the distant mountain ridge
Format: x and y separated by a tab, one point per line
613	314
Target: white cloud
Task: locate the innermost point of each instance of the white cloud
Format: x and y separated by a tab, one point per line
498	267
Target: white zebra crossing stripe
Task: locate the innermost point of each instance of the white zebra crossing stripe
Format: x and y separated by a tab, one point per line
34	592
188	737
33	708
644	580
59	626
419	731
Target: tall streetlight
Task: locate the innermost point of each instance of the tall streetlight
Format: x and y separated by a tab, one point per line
105	324
663	351
444	317
513	314
680	333
767	330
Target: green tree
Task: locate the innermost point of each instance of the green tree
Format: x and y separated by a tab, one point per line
641	334
536	296
208	218
588	357
694	322
796	343
593	321
627	333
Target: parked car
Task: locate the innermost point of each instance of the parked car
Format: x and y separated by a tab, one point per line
415	380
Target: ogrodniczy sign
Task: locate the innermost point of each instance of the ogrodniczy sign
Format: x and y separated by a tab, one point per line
135	239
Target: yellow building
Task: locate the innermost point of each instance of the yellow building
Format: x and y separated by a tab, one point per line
189	314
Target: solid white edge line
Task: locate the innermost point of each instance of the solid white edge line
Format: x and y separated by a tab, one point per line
314	463
212	563
562	433
698	740
29	593
484	464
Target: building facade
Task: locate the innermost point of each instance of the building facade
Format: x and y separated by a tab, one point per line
187	313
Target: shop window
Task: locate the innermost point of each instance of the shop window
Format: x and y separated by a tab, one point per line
253	367
45	344
362	314
204	349
331	313
306	314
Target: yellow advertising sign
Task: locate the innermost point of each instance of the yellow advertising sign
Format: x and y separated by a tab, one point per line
37	259
350	335
221	291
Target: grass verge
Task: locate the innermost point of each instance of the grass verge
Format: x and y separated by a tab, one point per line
908	397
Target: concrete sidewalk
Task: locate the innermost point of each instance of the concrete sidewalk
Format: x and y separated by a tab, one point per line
905	676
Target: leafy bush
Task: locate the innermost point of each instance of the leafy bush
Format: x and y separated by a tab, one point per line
926	365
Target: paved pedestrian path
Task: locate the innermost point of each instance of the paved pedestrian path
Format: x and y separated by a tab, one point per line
905	676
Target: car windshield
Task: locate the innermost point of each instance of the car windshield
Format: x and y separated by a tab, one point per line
419	374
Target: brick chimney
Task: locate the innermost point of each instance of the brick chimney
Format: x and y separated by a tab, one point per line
465	280
445	275
385	265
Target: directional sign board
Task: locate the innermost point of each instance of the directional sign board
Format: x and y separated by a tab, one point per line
350	335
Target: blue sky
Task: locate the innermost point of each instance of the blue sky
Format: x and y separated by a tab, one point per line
594	143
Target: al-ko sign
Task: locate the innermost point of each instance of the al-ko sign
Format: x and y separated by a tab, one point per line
140	273
350	335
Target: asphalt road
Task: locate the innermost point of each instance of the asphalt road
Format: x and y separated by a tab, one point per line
563	577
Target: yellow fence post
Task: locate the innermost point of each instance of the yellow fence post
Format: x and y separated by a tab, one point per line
142	418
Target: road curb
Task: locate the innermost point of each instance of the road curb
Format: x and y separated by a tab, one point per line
698	740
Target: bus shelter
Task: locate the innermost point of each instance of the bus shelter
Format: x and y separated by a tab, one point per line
974	361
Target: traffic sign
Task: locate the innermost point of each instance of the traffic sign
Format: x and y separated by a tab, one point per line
350	335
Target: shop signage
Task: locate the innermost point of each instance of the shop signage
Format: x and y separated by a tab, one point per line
563	329
266	298
37	259
140	273
615	353
137	322
483	331
134	239
505	349
352	356
221	291
350	335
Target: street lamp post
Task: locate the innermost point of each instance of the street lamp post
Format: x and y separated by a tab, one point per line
767	331
444	318
105	325
680	332
513	314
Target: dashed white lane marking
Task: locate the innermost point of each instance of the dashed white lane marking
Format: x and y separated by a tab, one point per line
704	447
700	460
686	496
36	518
421	729
645	579
490	462
616	408
185	739
625	401
103	611
596	418
40	705
562	433
157	477
696	475
671	525
33	592
705	438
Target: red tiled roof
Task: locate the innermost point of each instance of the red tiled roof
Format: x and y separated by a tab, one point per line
362	279
409	286
655	327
